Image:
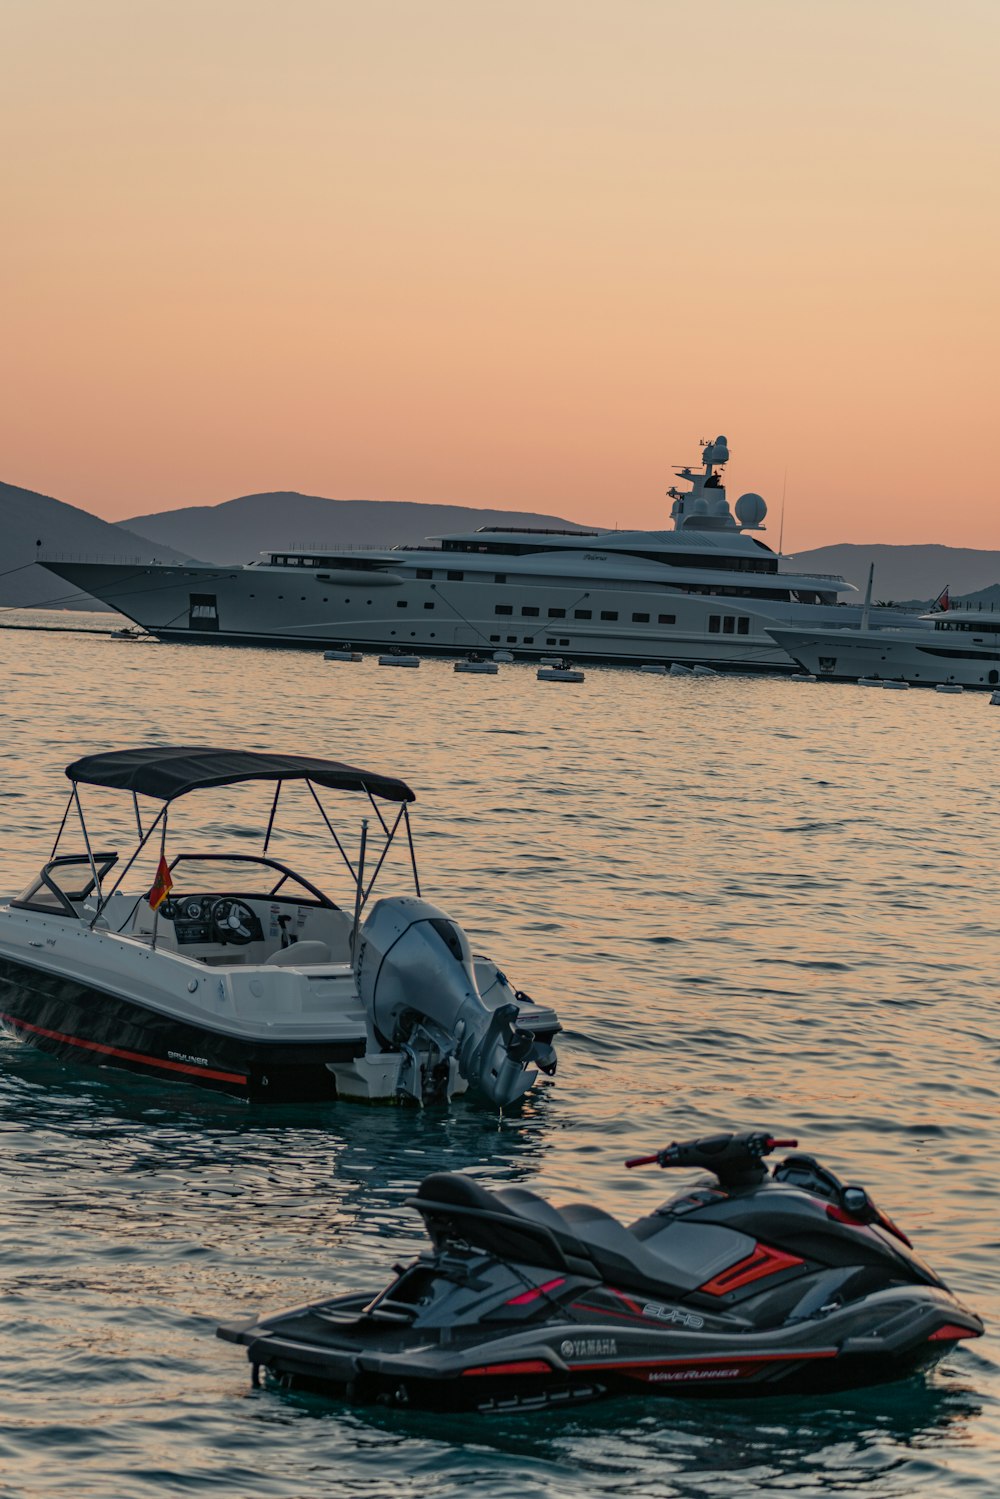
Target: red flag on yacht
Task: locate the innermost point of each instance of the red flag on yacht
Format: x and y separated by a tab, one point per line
943	602
162	885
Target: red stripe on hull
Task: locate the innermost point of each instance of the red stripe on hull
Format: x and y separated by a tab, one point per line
126	1056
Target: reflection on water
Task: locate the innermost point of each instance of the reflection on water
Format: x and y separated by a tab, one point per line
754	903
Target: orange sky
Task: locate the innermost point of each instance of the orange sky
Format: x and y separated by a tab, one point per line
521	254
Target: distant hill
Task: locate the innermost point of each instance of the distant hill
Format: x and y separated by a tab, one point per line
237	530
906	572
27	517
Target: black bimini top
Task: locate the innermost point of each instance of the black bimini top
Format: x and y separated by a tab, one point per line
168	771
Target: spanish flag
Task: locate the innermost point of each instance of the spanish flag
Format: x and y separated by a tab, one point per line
162	885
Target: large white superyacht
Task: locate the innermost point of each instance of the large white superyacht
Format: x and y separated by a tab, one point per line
705	591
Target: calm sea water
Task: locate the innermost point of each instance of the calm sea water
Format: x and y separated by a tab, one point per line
753	902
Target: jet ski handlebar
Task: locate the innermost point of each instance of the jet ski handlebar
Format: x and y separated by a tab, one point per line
726	1155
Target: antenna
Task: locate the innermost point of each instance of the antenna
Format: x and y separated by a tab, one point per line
781	526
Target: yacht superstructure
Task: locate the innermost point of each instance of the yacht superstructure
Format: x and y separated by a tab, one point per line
705	591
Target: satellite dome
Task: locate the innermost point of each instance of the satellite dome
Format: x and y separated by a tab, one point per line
720	506
700	507
750	509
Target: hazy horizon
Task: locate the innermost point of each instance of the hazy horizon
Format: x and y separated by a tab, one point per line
519	258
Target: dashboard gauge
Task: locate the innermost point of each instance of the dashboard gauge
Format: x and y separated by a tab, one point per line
193	909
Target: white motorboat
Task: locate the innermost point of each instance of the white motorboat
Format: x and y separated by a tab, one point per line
804	676
477	666
679	670
949	687
503	656
559	671
706	590
398	658
654	669
954	645
704	671
237	973
342	653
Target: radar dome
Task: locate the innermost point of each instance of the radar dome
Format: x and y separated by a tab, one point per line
700	507
750	509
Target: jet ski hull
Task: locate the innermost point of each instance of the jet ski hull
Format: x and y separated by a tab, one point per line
573	1361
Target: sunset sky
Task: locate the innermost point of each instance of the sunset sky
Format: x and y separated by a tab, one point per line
521	254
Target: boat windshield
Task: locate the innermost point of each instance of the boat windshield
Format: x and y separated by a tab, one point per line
243	874
65	883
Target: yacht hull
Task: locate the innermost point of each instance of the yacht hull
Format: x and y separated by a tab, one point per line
262	606
923	659
81	1023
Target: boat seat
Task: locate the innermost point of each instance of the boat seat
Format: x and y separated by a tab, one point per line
299	955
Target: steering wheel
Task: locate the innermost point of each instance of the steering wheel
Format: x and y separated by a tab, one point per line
235	922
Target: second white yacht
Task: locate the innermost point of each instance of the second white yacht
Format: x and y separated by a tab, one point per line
959	646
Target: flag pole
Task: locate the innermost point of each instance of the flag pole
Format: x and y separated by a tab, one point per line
163	855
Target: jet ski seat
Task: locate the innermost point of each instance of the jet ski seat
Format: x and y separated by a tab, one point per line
577	1239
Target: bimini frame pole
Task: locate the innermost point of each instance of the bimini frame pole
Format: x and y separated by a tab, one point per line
63	823
413	856
389	836
86	839
270	820
359	887
138	850
332	830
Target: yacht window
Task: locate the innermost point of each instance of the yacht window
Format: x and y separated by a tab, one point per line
609	613
743	625
495	639
667	619
551	640
512	640
529	639
454	577
500	578
424	572
640	619
564	642
529	609
582	614
400	603
713	624
728	624
557	613
428	606
504	609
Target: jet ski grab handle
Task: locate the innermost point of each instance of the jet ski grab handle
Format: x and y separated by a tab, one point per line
730	1157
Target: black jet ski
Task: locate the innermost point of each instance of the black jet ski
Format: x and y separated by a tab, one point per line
748	1283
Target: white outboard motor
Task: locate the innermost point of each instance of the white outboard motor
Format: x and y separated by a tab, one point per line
417	983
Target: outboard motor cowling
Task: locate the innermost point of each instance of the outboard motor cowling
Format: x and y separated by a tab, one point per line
416	979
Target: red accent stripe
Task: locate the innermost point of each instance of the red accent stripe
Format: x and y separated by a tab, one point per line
536	1292
524	1366
128	1056
760	1262
632	1305
951	1332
